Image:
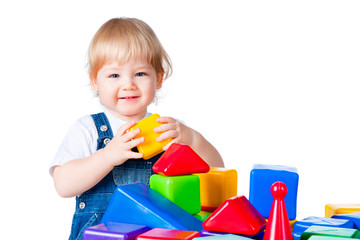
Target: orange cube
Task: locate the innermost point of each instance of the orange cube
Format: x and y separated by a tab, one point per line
216	186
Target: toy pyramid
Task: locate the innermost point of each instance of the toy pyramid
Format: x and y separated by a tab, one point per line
180	159
236	215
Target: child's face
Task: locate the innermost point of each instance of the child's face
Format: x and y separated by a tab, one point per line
127	89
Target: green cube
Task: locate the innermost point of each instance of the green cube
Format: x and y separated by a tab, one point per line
182	190
330	232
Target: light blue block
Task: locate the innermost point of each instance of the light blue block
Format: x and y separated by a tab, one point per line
301	225
136	203
261	179
223	237
354	217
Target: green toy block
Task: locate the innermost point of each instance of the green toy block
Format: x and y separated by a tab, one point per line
330	232
182	190
202	215
329	238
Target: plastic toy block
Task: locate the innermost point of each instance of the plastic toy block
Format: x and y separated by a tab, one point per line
161	233
236	215
180	159
202	215
150	147
184	190
261	179
136	203
114	231
301	225
223	237
216	186
353	217
332	209
278	226
328	238
331	232
205	233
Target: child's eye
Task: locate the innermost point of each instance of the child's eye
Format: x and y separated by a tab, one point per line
115	75
140	74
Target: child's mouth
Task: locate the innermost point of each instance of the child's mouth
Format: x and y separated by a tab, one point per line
128	98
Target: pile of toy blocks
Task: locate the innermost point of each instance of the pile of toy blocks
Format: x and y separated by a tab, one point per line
187	199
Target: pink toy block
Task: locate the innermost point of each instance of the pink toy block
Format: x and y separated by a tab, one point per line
161	233
236	215
180	159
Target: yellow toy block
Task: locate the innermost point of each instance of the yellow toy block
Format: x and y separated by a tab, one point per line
333	209
150	147
216	186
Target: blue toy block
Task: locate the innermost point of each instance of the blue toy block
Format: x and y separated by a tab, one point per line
114	231
261	179
136	203
301	225
354	217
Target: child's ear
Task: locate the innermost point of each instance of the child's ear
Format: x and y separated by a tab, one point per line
93	83
159	80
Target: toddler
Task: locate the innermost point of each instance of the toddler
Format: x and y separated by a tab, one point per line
127	65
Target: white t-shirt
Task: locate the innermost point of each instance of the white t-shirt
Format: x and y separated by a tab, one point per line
81	140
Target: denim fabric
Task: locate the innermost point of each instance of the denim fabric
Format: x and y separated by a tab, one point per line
91	205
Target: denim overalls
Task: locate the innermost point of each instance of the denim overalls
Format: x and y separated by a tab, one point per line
91	205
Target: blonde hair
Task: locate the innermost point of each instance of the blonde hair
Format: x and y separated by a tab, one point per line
121	39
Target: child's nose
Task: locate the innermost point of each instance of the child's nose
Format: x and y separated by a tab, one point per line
128	84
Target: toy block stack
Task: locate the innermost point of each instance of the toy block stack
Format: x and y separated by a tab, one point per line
261	179
353	217
175	177
302	225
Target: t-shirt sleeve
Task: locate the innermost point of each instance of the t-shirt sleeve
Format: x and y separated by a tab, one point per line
80	142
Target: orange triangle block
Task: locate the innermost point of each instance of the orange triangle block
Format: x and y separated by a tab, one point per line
236	215
180	159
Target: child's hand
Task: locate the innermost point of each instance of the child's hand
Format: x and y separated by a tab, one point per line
118	150
175	130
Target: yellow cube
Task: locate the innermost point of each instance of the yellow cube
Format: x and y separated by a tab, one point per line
150	147
332	209
216	186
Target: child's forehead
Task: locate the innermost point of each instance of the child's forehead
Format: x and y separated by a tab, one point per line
131	63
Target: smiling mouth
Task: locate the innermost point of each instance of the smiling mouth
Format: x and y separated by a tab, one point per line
128	98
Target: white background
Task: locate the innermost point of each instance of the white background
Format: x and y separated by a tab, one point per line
271	82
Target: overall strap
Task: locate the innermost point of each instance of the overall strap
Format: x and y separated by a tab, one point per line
104	129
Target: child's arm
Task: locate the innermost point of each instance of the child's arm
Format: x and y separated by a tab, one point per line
183	134
77	176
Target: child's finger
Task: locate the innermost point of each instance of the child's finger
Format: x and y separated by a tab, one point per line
123	129
130	135
168	145
165	127
165	120
133	143
167	135
135	155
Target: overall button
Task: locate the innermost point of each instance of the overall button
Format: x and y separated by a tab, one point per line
104	128
82	205
106	141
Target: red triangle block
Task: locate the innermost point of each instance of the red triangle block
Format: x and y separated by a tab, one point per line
180	159
236	215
